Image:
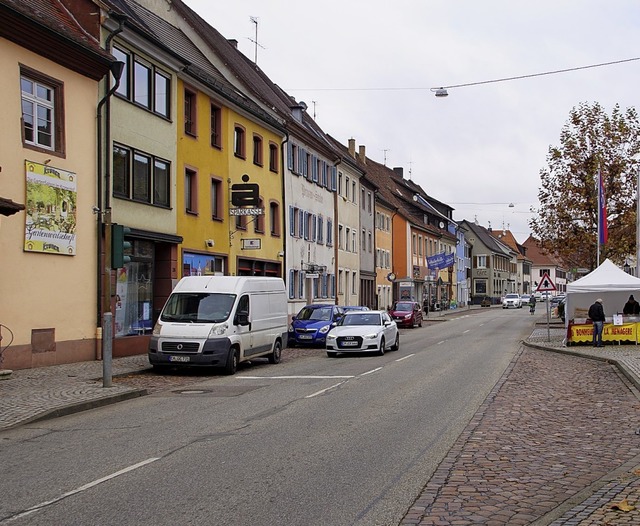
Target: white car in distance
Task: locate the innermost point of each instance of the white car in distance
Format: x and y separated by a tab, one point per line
363	331
512	300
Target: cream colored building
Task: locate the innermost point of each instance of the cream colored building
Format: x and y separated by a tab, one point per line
48	284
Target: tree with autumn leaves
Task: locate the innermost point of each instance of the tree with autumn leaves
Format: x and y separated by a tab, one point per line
566	223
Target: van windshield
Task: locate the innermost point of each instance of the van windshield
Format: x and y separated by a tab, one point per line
198	307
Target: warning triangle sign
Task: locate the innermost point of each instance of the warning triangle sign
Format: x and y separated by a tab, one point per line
545	284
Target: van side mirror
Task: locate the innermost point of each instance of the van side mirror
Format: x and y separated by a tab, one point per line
242	318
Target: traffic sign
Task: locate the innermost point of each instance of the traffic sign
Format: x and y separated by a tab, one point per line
545	285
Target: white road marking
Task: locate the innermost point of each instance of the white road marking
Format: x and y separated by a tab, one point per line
324	390
90	485
441	342
465	332
371	371
292	377
405	357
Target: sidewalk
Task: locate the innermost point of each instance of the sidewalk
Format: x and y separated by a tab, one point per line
36	394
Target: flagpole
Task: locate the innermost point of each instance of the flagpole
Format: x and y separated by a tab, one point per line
599	192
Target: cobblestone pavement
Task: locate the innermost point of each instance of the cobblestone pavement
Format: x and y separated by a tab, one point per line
556	442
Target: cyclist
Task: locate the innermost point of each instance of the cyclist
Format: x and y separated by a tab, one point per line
532	304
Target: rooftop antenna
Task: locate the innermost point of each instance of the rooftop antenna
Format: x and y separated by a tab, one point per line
314	102
410	164
254	20
385	155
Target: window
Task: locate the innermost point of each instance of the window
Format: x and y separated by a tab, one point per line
162	92
274	218
369	202
273	157
238	141
140	177
339	183
123	87
143	83
216	199
346	187
190	111
191	191
258	221
42	111
241	222
354	194
216	126
362	202
257	150
329	232
481	261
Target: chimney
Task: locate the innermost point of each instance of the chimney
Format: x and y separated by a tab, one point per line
297	110
399	171
352	148
233	42
363	157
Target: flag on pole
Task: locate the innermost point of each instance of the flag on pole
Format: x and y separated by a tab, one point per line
602	212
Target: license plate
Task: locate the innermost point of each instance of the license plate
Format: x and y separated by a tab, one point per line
349	344
179	358
305	337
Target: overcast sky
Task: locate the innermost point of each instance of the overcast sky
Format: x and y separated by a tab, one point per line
482	147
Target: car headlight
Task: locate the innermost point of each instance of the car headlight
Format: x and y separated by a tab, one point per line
331	337
218	330
325	329
371	336
407	316
290	328
156	329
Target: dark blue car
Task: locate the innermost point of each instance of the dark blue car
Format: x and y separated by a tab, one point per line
312	323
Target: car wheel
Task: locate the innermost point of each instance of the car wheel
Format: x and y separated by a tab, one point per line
381	350
276	354
396	345
332	354
232	362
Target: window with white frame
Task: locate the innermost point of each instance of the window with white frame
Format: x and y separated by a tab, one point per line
42	111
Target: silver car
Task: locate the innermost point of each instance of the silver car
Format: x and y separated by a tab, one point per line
363	331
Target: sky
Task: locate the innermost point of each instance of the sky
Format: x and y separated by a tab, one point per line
366	69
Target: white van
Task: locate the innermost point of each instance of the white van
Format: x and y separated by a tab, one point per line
221	321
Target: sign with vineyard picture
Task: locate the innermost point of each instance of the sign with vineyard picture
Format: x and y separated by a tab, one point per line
50	210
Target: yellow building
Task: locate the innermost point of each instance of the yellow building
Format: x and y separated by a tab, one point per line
49	256
227	157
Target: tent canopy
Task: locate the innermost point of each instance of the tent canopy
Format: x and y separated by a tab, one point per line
608	282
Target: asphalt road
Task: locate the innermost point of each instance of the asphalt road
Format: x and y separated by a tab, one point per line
313	441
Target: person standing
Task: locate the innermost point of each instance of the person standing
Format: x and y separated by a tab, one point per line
632	307
596	314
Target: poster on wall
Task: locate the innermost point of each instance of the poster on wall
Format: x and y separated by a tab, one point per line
50	210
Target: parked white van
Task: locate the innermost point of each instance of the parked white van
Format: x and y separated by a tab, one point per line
221	321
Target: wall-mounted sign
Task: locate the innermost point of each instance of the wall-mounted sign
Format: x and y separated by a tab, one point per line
245	193
441	260
246	211
51	210
251	244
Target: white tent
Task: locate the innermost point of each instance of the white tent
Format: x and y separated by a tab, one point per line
608	282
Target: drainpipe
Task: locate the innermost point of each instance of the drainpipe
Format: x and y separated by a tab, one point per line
104	208
335	236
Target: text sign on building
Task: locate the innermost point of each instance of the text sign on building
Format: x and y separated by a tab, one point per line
246	211
251	244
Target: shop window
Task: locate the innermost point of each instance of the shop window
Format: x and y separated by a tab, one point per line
134	292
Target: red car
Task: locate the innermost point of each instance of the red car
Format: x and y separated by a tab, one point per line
406	314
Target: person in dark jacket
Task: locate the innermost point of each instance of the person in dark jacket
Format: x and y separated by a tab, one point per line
596	314
632	307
